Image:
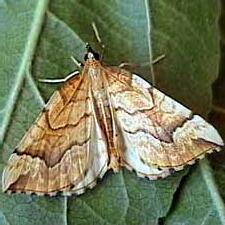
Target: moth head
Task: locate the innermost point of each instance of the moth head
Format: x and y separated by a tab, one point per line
91	54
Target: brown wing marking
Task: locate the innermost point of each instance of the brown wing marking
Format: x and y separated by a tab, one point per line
156	128
54	154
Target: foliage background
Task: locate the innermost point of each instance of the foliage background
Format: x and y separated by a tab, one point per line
37	39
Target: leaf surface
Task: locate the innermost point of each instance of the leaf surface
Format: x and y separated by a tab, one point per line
37	41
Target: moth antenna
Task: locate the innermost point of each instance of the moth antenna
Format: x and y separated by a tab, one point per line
89	48
95	29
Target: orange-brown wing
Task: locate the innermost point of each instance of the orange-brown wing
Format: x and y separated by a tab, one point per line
64	150
157	131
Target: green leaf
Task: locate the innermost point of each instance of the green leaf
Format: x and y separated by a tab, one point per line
217	115
199	201
37	41
21	23
193	49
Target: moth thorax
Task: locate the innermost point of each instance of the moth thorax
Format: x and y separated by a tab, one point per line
93	72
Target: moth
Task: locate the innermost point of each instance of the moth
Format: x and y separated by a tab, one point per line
105	118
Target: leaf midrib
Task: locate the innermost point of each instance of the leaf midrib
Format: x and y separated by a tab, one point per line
148	29
32	40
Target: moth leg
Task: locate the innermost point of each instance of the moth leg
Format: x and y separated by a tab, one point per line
56	81
80	65
134	65
158	59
